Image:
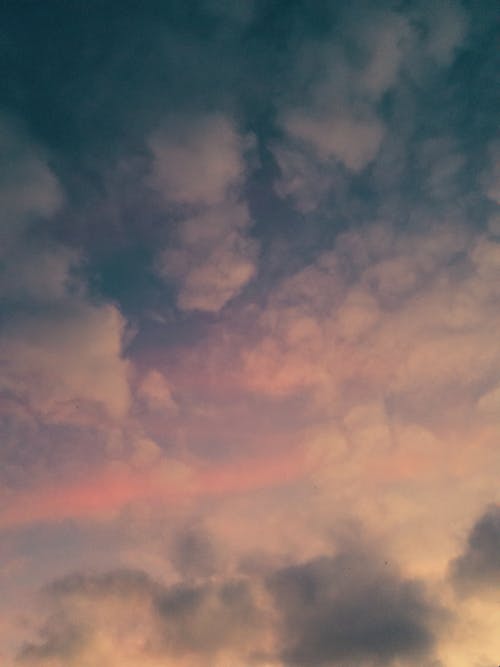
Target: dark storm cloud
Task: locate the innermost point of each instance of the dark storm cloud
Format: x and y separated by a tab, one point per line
477	570
351	609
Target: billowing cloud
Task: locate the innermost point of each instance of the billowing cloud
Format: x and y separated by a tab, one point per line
350	609
57	365
213	258
346	75
199	162
202	167
476	571
249	284
60	352
191	625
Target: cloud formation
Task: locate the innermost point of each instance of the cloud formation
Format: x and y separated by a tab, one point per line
345	76
59	350
350	609
124	616
249	285
201	166
476	571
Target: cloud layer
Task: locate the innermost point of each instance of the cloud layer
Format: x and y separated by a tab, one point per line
249	285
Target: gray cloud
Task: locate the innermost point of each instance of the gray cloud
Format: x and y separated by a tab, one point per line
477	570
351	609
29	190
346	75
57	340
193	554
125	615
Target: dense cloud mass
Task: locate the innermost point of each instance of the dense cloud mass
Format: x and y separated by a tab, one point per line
249	315
348	607
350	610
477	570
124	616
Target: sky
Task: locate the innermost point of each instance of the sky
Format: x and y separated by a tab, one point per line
249	333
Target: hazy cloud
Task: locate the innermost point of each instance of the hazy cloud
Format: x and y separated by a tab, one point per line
29	190
124	616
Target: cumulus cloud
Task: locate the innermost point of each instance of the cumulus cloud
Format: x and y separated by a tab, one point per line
52	362
360	370
123	616
213	258
198	163
476	571
202	167
341	122
379	310
351	609
29	194
60	352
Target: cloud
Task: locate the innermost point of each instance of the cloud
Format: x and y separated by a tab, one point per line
447	25
378	310
31	268
202	168
61	353
353	142
155	392
198	163
344	77
29	190
442	163
59	362
43	273
302	179
339	124
298	364
351	609
476	571
124	616
193	554
491	175
213	258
